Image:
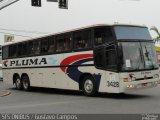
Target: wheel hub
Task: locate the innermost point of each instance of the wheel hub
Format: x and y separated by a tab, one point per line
88	86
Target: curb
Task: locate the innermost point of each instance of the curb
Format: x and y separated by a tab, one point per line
4	93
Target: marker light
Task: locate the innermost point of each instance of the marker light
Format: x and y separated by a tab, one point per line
125	79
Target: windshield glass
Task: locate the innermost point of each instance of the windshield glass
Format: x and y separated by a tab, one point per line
129	32
138	56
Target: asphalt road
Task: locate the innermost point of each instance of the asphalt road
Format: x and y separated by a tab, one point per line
41	100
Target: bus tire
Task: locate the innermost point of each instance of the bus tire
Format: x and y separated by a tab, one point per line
26	82
89	87
18	83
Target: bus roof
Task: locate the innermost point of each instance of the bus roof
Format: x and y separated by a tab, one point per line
76	29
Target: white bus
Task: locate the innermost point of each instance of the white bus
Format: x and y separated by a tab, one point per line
99	58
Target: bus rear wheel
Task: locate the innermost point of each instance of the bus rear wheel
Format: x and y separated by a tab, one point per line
18	83
89	86
25	83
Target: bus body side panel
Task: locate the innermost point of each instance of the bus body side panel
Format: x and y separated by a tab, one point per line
110	83
7	76
77	64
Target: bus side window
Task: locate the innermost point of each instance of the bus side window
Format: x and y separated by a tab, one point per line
30	50
111	57
103	35
44	46
82	39
99	58
51	45
25	49
63	42
36	47
12	51
67	43
22	49
60	45
99	35
5	52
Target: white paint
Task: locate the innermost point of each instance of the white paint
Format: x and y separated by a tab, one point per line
128	63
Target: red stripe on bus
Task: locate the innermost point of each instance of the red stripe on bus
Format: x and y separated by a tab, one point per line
71	59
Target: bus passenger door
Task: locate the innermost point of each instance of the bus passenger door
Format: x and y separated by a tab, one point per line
105	58
111	62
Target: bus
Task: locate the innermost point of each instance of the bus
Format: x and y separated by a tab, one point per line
111	58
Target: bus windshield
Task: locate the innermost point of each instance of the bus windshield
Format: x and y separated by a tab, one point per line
132	33
138	56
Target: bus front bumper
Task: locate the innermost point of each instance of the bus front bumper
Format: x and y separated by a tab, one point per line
142	85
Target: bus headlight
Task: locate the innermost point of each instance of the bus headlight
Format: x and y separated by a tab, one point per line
155	83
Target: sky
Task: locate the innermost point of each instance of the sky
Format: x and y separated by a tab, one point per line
25	22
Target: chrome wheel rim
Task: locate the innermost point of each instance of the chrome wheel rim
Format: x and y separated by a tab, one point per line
18	83
88	86
25	83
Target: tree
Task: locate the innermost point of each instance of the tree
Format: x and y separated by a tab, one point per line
157	39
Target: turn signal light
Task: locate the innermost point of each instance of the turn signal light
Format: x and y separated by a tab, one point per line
125	79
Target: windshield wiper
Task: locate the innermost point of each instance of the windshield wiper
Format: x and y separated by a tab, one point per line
147	56
139	60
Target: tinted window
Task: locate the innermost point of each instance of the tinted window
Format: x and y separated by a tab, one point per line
99	58
103	35
126	32
34	47
44	46
63	43
51	45
111	56
82	39
22	49
5	52
12	51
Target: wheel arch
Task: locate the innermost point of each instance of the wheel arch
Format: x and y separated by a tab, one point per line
24	74
82	77
25	81
14	77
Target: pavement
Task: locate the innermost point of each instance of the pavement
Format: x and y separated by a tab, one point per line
4	93
46	100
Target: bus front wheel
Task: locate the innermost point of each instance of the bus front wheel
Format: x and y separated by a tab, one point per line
89	86
25	83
